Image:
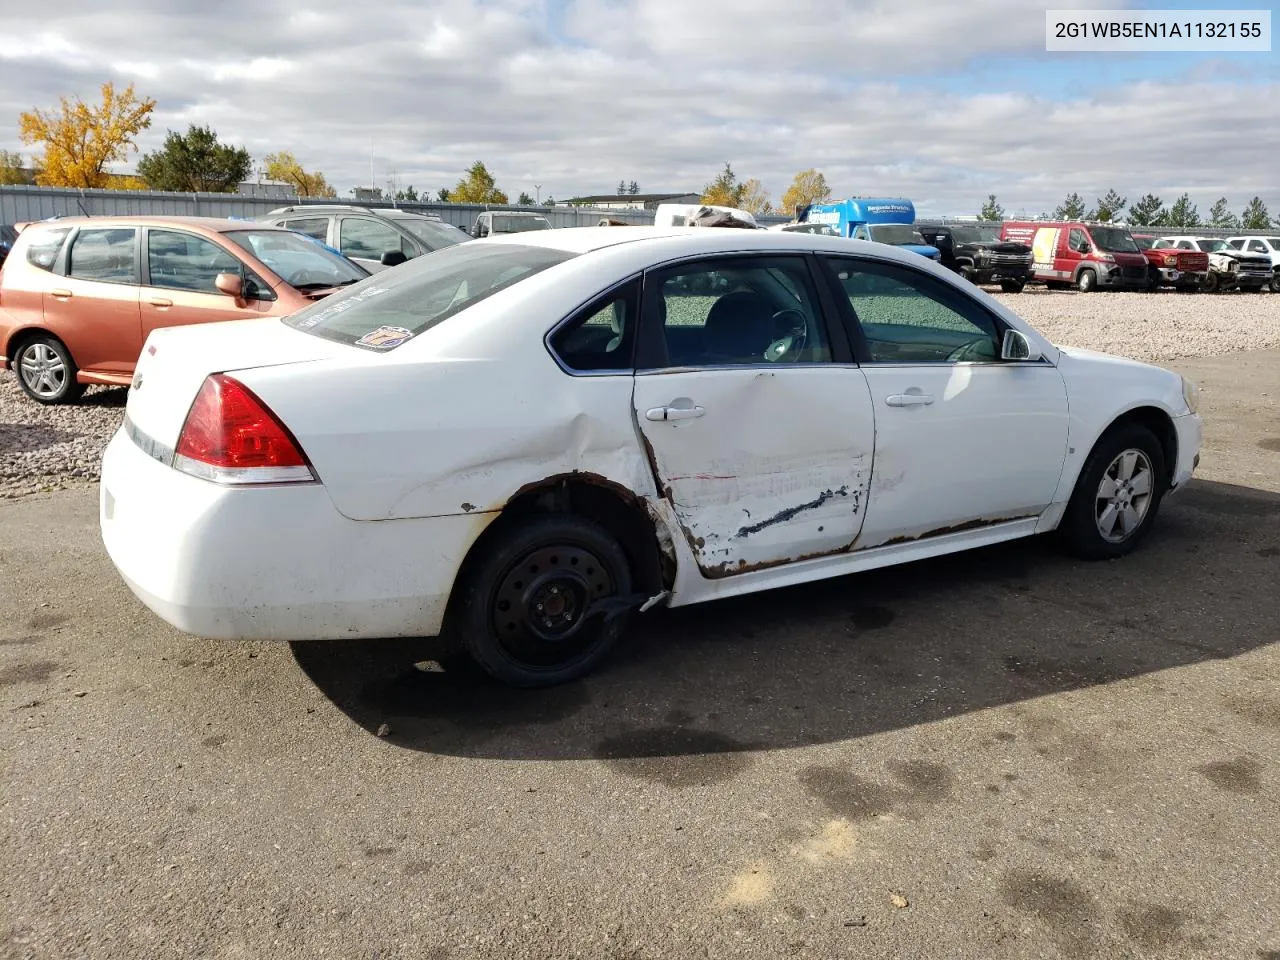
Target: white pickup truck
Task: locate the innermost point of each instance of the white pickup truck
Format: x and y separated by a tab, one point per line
1268	247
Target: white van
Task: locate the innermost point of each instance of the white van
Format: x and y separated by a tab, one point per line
682	214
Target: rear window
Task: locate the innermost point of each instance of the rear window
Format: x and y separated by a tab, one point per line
395	305
42	250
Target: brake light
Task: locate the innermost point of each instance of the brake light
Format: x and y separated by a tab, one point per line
230	436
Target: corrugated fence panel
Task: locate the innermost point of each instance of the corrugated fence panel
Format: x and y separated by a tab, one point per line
23	202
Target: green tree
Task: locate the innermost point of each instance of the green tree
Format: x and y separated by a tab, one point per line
549	202
195	162
11	169
1220	216
1148	212
1072	208
1255	216
807	186
407	195
622	187
284	167
477	186
442	195
724	190
1183	213
524	199
633	188
991	210
1108	207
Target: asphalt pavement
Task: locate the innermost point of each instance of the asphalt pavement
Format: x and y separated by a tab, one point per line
1001	754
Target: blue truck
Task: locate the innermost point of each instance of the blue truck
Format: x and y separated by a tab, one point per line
884	221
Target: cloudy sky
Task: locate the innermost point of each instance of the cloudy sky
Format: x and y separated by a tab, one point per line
937	100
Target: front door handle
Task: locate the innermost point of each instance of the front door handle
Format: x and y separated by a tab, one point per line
681	409
908	400
60	294
160	302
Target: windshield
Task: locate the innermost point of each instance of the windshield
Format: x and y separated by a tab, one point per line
1113	240
396	305
975	235
896	233
822	229
1213	246
299	261
433	233
520	224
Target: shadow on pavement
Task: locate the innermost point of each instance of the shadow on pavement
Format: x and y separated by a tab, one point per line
852	656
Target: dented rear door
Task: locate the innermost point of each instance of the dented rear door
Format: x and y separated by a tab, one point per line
763	461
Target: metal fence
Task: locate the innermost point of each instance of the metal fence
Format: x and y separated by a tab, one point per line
24	202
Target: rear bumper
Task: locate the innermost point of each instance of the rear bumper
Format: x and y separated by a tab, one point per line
272	562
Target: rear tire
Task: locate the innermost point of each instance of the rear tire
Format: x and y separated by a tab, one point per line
1087	281
46	373
1117	494
524	607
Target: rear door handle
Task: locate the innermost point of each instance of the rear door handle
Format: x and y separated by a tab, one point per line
60	294
682	409
908	400
160	302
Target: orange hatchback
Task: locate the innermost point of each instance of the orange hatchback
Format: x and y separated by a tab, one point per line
79	296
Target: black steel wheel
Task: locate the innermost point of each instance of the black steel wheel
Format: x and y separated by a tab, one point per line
546	602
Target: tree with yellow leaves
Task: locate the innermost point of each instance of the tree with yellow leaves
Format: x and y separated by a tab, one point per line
80	140
753	198
478	186
11	169
809	186
284	166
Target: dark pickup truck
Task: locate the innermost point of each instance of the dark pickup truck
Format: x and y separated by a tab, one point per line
976	252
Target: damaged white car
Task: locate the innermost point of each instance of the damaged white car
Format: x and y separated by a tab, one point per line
521	442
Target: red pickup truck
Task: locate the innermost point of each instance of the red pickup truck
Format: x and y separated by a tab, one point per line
1183	269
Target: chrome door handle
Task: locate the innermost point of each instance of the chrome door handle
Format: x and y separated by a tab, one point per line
908	400
60	294
160	302
681	409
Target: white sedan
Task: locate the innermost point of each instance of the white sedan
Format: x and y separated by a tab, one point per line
520	442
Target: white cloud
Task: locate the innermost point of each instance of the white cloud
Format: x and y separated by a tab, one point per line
665	102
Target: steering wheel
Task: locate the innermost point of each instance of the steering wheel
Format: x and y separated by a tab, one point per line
973	350
789	347
305	277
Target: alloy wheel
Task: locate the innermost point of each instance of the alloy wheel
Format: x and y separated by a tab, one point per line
1124	496
43	370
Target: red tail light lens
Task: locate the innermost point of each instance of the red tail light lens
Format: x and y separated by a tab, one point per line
231	437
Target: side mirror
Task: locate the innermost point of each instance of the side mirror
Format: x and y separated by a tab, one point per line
1016	346
230	283
393	258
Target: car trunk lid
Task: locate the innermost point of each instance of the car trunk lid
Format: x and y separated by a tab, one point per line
176	360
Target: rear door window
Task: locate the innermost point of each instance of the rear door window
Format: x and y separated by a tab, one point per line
107	254
315	227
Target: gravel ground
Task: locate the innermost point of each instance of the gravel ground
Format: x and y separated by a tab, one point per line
44	448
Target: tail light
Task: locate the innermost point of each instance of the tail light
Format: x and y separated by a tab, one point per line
231	437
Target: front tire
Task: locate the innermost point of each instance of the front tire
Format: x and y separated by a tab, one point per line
1275	281
1012	286
1117	494
526	608
46	373
1087	281
1212	283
